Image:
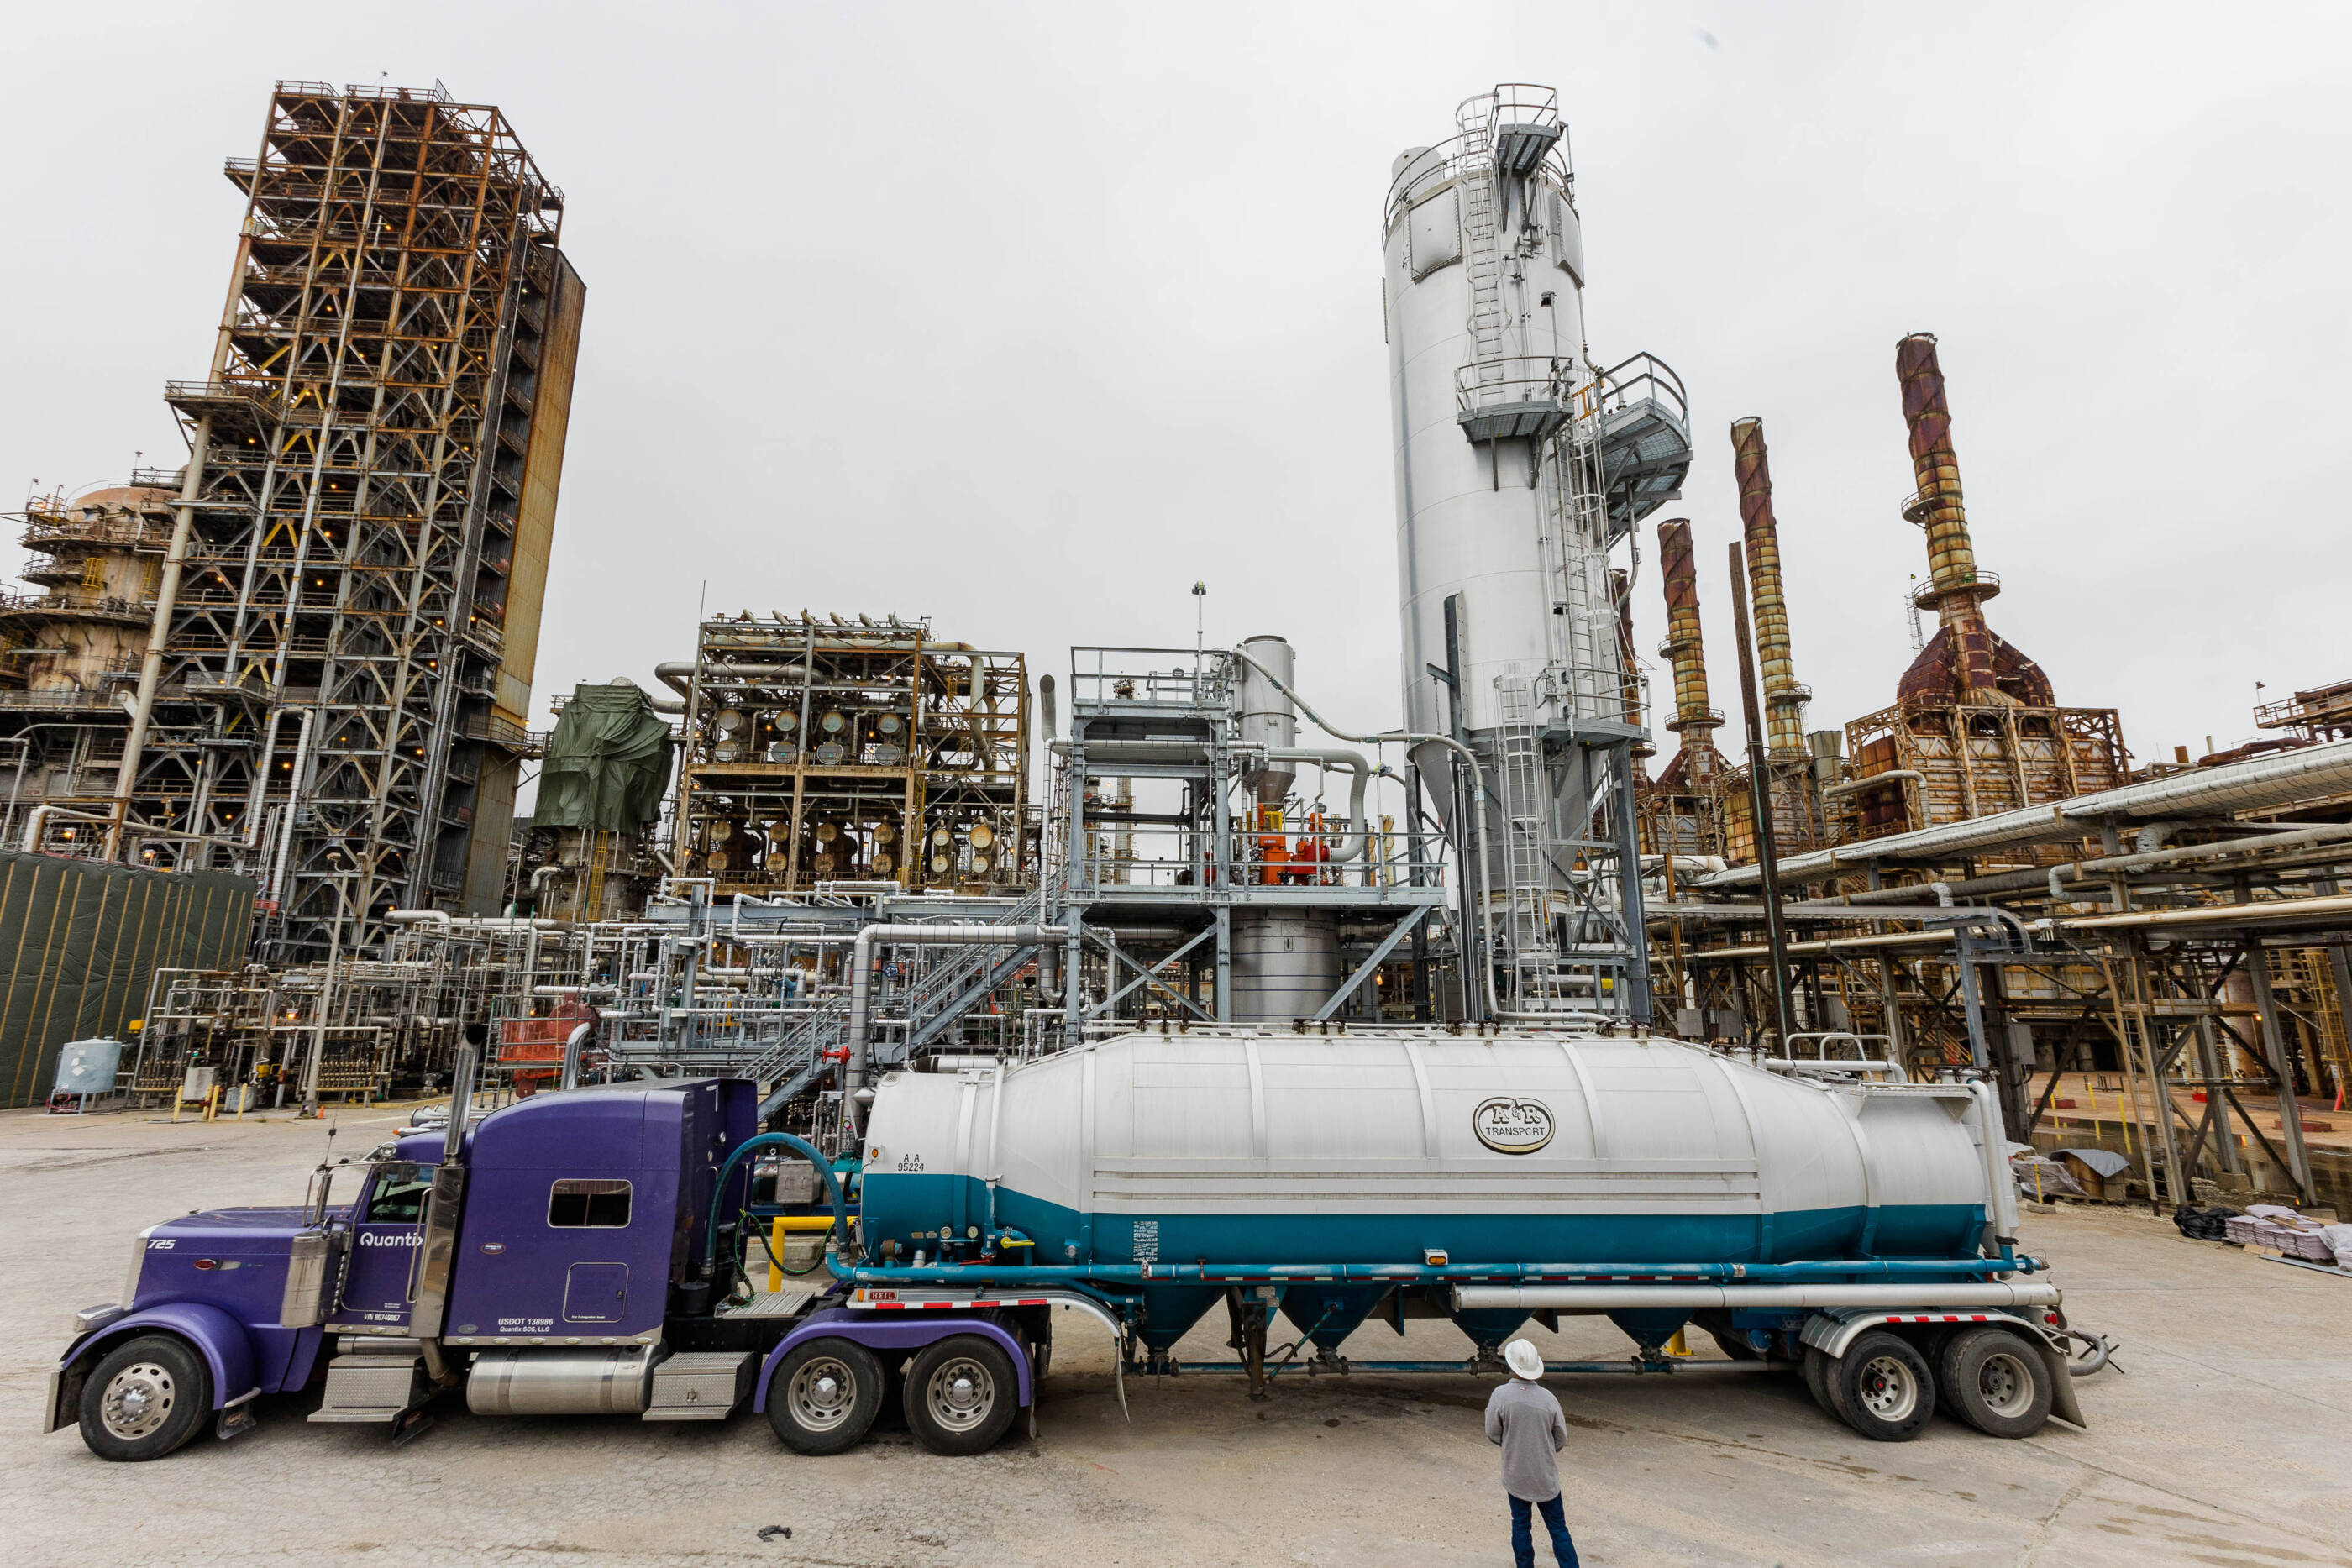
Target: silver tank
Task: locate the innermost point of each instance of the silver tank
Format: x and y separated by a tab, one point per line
1268	718
603	1381
1284	962
1483	299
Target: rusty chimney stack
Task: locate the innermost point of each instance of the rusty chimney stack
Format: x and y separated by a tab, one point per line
1955	590
1685	648
1784	699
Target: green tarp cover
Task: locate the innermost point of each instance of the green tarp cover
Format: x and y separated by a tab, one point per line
607	763
78	942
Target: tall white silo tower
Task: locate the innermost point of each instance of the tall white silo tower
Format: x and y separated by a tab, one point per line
1521	465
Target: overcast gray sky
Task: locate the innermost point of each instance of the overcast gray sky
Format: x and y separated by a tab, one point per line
1025	317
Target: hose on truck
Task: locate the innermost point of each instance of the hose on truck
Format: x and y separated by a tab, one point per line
742	1151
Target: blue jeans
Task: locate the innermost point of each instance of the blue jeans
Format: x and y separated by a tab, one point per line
1523	1535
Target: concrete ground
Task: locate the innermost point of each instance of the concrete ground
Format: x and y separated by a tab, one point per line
2230	1441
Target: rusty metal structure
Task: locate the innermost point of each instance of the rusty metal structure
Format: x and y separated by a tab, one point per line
70	652
820	751
1791	775
339	655
1975	727
1679	808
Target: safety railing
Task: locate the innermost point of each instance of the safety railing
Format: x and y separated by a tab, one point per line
1173	677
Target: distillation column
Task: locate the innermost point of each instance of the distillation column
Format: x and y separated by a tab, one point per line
1510	630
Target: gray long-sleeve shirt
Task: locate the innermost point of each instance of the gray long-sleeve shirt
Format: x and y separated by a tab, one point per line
1523	1420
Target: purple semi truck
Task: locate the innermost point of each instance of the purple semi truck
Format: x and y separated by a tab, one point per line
582	1255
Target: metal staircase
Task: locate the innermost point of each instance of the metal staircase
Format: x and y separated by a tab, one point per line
952	983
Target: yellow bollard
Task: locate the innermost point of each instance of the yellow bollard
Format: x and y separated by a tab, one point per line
775	1255
1677	1346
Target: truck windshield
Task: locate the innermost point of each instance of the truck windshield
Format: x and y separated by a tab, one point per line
399	1195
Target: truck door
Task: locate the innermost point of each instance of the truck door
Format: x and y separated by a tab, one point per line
387	1234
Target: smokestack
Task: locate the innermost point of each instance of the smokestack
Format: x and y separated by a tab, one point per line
1954	592
1685	648
1784	699
1621	588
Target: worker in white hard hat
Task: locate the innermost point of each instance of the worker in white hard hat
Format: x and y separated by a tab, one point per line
1523	1420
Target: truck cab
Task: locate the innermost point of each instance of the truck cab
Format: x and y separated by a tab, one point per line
583	1253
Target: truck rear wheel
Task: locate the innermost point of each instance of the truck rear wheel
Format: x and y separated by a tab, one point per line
145	1398
1818	1367
1882	1388
825	1396
1996	1382
962	1394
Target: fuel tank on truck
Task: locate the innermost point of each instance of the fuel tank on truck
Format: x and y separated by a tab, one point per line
1282	1148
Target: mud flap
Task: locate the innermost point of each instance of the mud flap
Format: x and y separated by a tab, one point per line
237	1417
2064	1404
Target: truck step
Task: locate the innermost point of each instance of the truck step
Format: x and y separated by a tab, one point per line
701	1385
372	1389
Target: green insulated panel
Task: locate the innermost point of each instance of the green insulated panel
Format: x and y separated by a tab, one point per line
78	942
607	763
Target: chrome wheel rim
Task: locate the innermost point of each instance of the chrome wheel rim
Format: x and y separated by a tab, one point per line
138	1401
823	1393
2006	1384
1888	1390
961	1394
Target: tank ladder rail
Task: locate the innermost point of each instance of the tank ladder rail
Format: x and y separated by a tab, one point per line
1527	839
1482	245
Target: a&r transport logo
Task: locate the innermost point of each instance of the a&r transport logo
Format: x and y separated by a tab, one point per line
1512	1127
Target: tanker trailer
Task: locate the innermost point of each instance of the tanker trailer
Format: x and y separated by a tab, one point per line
1816	1215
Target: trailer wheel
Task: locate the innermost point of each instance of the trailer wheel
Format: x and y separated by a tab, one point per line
1818	1368
1996	1382
826	1395
1882	1387
145	1398
962	1394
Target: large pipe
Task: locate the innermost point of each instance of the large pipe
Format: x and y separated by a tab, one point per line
1784	699
1621	1298
1685	646
293	794
2282	778
1955	590
1620	589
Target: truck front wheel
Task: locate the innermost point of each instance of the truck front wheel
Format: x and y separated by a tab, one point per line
826	1395
144	1398
1996	1382
962	1394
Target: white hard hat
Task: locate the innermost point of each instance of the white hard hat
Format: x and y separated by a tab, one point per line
1524	1360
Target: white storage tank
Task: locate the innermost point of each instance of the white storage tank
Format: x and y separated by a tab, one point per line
1276	1147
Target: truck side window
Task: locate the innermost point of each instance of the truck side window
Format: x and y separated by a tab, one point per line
399	1196
582	1202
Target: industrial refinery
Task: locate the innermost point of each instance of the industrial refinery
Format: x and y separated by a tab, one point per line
1590	992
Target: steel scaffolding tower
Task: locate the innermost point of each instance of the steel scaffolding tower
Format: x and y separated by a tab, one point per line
337	686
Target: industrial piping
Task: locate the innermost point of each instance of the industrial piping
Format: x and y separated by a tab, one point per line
957	934
1478	815
2278	780
1620	1298
1784	699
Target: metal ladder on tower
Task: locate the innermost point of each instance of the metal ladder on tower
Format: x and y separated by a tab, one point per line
1526	846
1482	243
